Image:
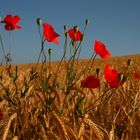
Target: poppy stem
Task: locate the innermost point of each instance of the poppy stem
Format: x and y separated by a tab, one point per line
86	67
81	45
42	45
92	106
40	34
43	57
41	51
63	57
2	46
50	53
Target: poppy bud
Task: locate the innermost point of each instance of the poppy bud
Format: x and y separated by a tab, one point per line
49	51
75	28
87	21
129	62
66	34
121	76
97	71
39	21
65	27
0	19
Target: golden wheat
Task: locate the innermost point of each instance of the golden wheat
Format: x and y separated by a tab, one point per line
12	117
95	129
118	119
61	126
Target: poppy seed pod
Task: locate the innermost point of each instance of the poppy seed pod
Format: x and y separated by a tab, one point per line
87	21
66	34
129	62
97	71
49	51
65	27
121	76
39	21
75	28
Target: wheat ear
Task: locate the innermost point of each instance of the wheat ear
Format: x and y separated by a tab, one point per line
15	138
72	135
81	131
61	124
95	129
12	117
82	128
52	135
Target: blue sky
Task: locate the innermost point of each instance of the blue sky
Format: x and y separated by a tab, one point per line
114	22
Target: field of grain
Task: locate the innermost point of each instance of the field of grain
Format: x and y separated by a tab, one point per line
49	103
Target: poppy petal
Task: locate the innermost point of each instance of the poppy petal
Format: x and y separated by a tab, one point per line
49	34
101	50
111	76
56	41
11	22
75	36
136	75
91	82
16	19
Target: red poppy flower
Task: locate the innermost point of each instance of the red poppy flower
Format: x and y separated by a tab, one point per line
49	34
75	36
91	82
136	75
11	22
111	76
101	50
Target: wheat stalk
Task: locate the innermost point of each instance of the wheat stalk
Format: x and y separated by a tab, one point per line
12	117
81	131
51	134
111	134
71	133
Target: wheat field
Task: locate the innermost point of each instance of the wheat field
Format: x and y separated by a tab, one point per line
36	104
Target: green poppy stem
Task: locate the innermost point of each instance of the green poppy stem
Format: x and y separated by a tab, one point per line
50	53
2	46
